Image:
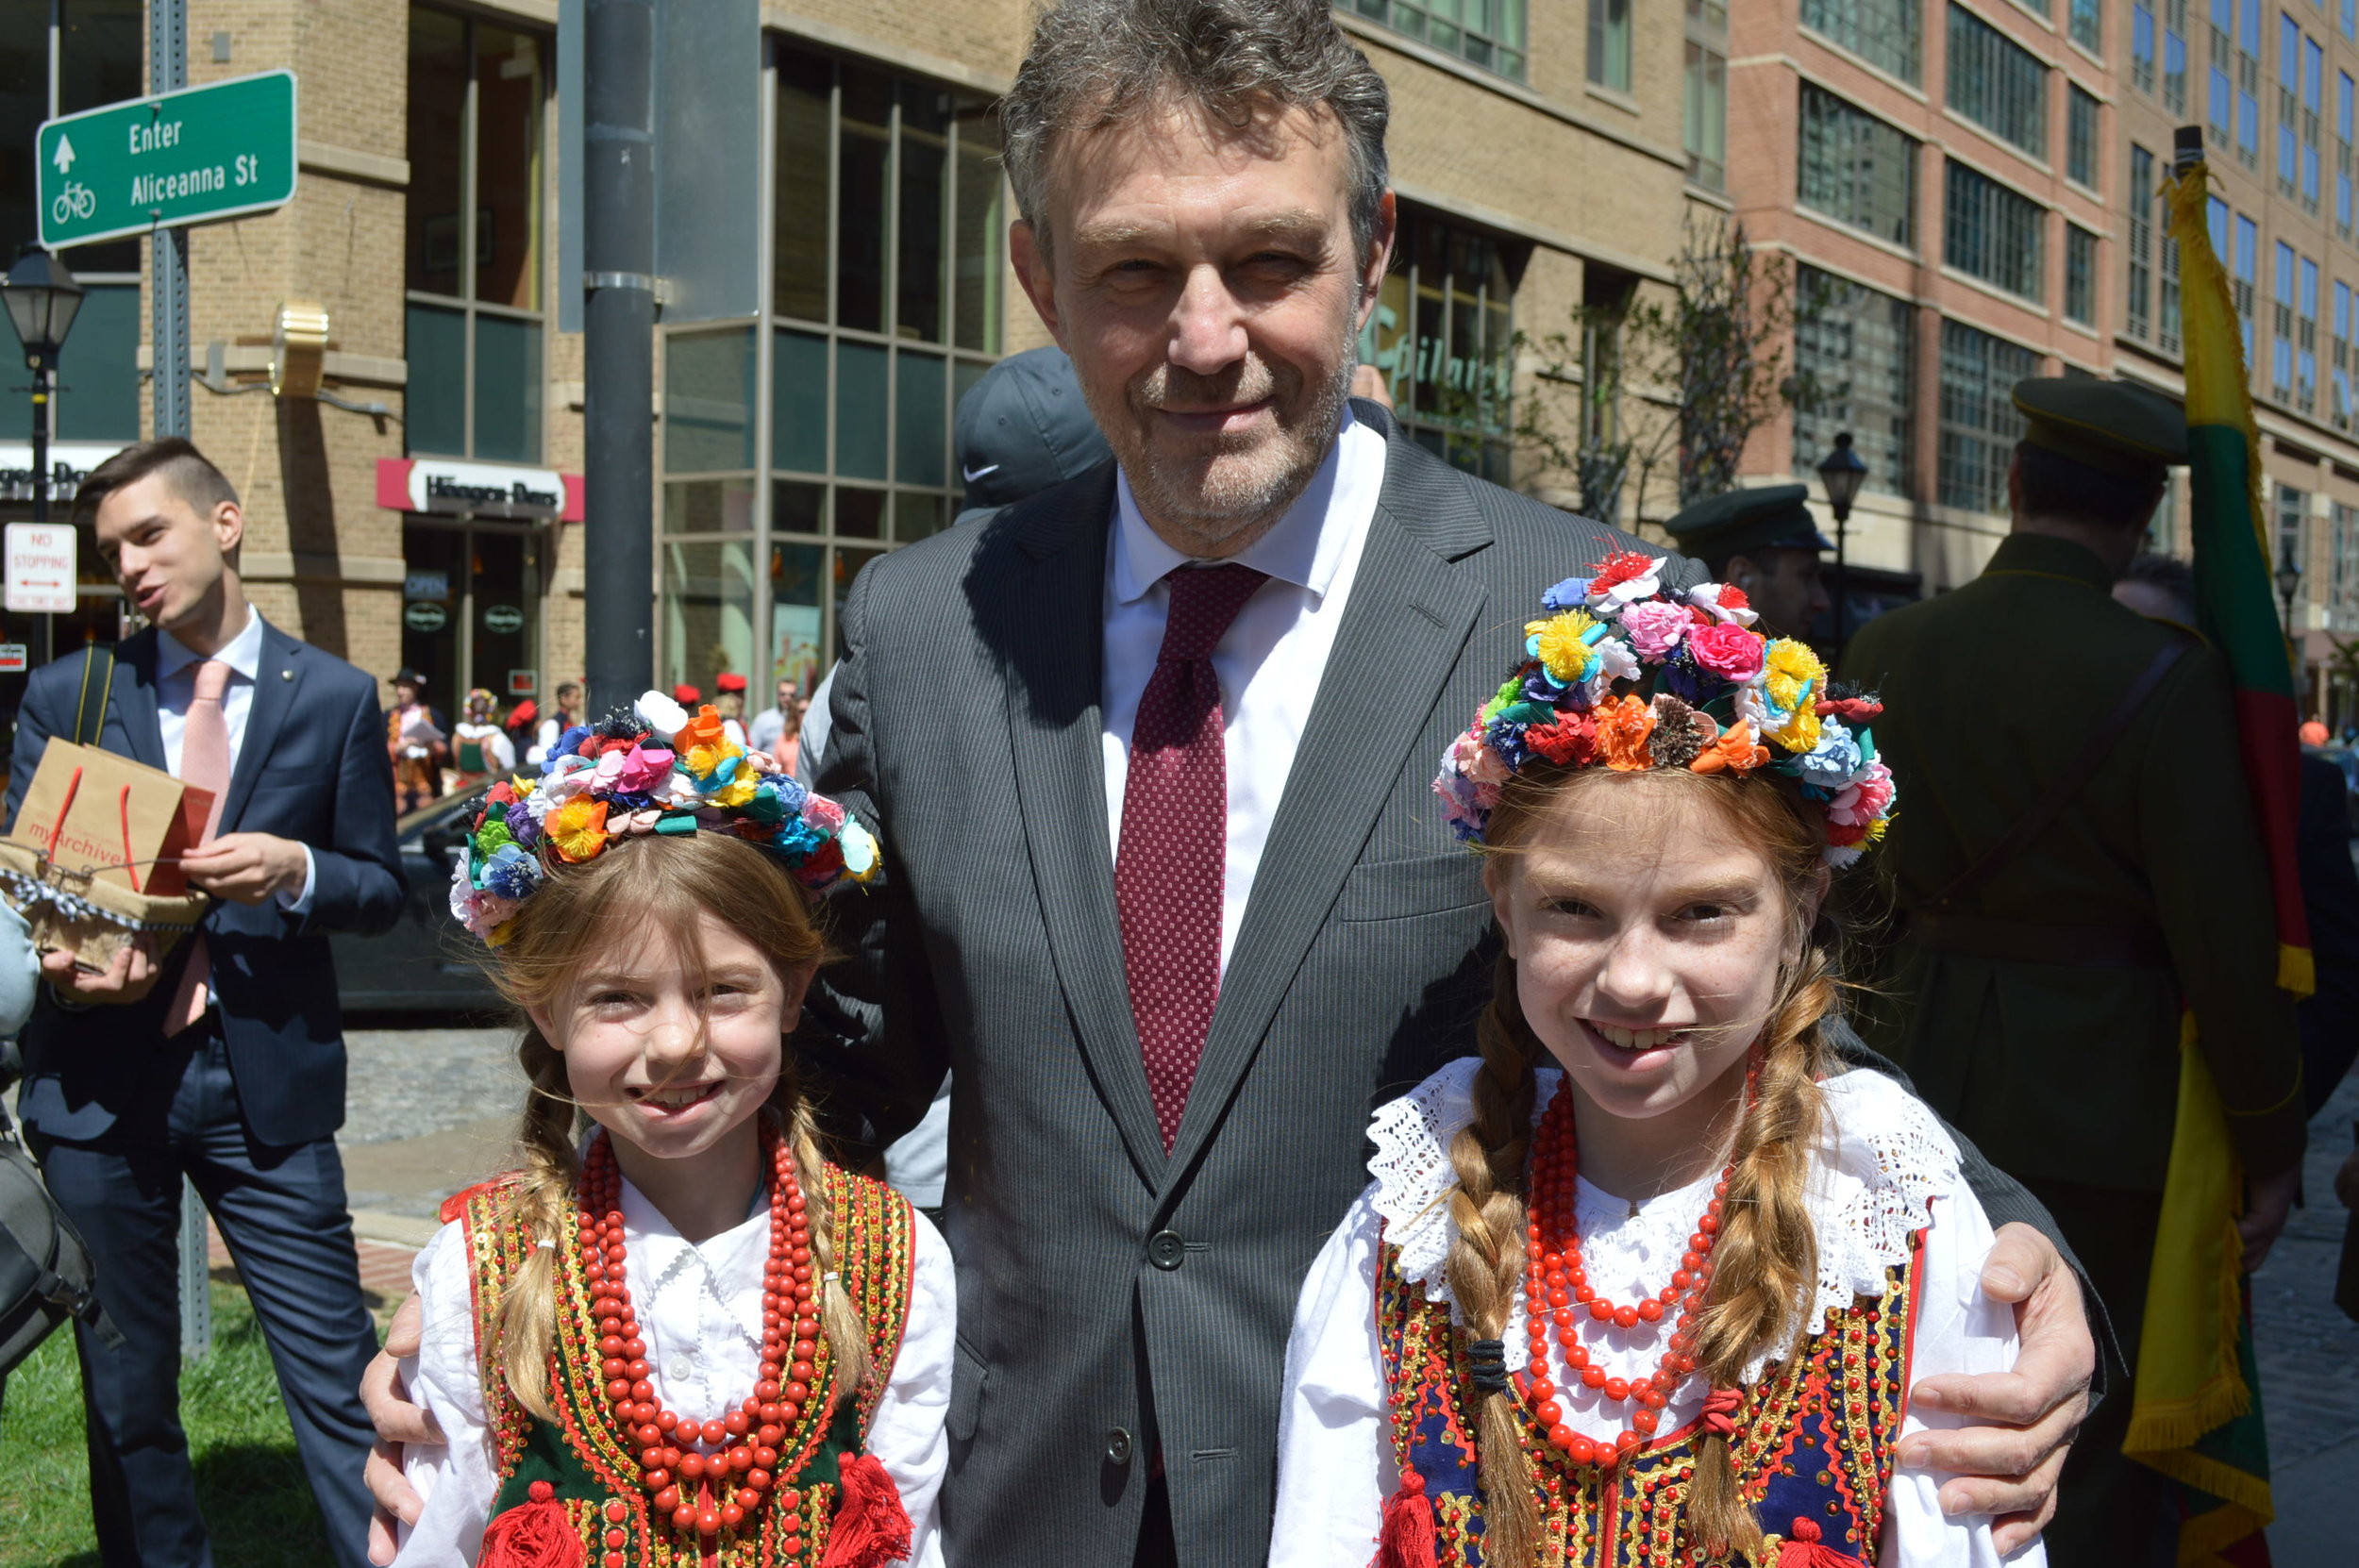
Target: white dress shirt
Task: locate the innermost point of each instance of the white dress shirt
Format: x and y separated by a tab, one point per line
1270	661
176	688
700	1312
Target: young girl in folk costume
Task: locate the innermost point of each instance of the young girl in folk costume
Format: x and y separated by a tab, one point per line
1646	1282
480	747
678	1336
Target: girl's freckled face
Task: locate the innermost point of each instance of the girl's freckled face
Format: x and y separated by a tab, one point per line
1648	940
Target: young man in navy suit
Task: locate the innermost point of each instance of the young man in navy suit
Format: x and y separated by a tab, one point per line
225	1061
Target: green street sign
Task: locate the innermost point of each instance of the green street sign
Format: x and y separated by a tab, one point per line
203	153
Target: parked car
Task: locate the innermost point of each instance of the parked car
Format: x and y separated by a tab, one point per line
426	964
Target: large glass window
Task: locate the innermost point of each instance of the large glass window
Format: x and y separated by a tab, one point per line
473	245
2079	300
2081	136
2142	44
1997	83
1609	43
1443	335
1488	32
1857	347
2175	56
886	303
2340	372
2088	24
57	60
1887	34
1993	233
2138	252
1980	424
2306	338
1856	168
1708	92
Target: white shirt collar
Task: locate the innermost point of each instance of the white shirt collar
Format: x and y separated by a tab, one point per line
242	653
1299	548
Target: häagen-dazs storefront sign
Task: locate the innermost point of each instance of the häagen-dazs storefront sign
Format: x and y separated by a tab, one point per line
476	488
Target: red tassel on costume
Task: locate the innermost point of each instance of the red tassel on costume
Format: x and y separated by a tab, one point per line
1804	1549
1407	1540
532	1535
871	1527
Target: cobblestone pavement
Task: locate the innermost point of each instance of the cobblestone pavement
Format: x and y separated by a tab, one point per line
426	1113
2309	1360
406	1083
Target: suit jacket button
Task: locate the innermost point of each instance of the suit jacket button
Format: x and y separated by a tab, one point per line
1164	1250
1119	1445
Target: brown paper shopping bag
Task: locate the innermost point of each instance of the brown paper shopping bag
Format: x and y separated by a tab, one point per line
118	821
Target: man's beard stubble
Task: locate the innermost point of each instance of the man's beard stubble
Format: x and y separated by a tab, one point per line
1218	504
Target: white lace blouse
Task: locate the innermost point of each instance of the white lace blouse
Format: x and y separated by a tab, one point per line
700	1312
1884	1169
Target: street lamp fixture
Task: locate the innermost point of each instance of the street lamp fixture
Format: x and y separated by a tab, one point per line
43	299
2288	584
1842	471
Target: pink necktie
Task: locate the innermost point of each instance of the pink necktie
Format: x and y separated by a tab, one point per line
1169	873
203	765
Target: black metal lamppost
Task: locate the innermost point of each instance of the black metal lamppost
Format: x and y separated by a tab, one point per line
1842	471
2288	584
42	298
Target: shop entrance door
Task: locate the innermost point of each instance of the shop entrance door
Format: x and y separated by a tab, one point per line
471	610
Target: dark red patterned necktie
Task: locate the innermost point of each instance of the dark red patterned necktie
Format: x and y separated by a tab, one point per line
1172	864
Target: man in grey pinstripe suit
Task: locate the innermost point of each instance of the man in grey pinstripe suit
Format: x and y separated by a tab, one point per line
1206	218
1205	223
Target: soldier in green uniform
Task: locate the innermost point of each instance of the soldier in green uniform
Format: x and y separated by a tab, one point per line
1766	542
2067	877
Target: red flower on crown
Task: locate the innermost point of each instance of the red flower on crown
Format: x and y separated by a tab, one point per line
1620	567
1733	598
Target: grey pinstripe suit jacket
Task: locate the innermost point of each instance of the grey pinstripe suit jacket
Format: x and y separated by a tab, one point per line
1110	1296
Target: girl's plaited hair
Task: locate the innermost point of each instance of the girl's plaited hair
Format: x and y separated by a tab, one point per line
1766	1260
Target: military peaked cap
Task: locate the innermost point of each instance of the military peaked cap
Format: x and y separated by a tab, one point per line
2113	427
1772	517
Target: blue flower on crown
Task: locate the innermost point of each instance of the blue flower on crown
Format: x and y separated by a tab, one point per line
564	748
1571	593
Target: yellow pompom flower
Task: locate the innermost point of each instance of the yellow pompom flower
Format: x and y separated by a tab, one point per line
1791	665
1560	647
739	791
578	828
1799	733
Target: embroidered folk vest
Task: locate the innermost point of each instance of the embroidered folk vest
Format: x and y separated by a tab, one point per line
1815	1441
582	1459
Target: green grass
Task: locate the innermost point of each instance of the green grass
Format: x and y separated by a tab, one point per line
248	1480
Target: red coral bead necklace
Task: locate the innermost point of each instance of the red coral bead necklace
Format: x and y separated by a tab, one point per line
1557	1293
706	1475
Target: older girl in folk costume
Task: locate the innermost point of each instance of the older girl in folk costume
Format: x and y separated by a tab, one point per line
1641	1283
678	1336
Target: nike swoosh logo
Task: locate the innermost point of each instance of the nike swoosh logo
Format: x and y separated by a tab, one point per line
974	474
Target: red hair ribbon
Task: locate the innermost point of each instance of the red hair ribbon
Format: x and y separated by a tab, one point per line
1720	1410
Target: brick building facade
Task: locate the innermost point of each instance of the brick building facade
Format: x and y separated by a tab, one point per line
1967	192
1543	155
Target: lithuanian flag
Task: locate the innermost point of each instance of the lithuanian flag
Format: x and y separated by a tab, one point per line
2195	1413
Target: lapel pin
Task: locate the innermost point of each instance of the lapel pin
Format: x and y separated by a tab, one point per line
286	674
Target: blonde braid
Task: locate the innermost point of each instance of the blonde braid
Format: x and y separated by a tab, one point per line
847	1336
1765	1259
1486	1262
535	1202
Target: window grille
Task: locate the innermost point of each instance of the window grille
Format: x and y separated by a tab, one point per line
1997	83
1856	168
1887	34
1993	233
1980	424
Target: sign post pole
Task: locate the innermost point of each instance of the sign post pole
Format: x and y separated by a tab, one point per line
168	288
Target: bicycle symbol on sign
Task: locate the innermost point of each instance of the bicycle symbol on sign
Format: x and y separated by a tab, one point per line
75	201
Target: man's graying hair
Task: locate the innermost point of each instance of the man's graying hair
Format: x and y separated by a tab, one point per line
1093	63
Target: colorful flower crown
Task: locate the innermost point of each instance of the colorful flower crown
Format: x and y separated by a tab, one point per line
1625	673
654	770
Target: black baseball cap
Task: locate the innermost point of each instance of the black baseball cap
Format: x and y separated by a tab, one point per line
1024	427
